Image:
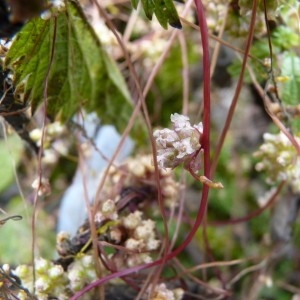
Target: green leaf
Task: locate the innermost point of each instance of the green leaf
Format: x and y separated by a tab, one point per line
148	6
290	90
164	11
81	73
10	152
285	38
17	234
134	3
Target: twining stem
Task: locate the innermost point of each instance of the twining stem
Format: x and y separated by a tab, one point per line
40	154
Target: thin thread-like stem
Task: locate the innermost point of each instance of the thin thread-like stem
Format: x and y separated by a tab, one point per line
40	154
221	41
255	213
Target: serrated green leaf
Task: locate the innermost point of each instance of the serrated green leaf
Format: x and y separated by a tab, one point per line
81	73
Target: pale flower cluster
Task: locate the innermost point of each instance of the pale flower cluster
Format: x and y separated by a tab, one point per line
108	211
161	292
177	145
55	142
50	280
135	171
81	272
141	238
278	158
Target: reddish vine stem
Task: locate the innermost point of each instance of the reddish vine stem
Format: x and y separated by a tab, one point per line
255	213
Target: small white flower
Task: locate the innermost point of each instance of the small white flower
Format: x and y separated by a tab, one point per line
133	244
137	259
152	244
279	159
132	220
108	207
116	235
6	268
36	134
163	293
22	271
46	15
50	156
42	185
180	121
138	169
42	284
165	137
75	277
55	129
199	127
87	261
22	295
42	265
58	4
56	271
184	148
178	145
166	158
145	230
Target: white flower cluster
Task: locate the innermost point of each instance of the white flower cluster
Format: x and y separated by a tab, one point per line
108	211
178	145
53	131
161	292
135	171
50	280
81	272
141	239
55	141
279	159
